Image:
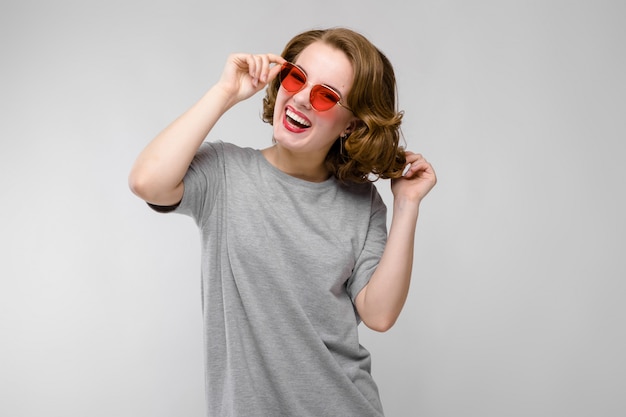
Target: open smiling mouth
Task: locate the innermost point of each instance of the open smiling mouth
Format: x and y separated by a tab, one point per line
296	120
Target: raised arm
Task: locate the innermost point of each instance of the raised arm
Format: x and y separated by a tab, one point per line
380	302
157	174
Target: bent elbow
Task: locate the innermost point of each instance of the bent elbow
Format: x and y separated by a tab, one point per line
152	190
143	187
138	185
381	324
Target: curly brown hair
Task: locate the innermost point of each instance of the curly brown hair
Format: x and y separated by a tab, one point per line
372	149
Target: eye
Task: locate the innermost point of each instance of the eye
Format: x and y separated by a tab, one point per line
298	76
328	95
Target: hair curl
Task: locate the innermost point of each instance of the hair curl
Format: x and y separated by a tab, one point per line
372	149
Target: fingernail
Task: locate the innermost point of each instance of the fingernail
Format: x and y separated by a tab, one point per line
406	170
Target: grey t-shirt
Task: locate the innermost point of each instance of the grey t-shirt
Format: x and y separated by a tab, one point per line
282	261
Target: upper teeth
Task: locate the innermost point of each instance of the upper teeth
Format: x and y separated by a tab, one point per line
297	118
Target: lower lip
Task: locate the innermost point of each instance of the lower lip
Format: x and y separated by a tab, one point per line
291	127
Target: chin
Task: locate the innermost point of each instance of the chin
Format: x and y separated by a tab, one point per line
289	139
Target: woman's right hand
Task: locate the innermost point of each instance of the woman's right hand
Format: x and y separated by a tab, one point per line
246	74
157	175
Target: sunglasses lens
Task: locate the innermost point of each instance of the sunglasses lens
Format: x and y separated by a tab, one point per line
292	78
323	98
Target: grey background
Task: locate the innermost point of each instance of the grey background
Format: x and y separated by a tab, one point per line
516	306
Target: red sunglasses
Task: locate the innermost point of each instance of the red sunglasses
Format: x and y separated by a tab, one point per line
322	97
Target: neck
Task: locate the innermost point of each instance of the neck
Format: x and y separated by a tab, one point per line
303	166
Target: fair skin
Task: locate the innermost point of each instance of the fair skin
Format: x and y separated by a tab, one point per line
300	151
157	175
380	302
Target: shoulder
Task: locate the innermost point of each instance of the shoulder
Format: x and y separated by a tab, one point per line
231	152
223	152
365	190
363	198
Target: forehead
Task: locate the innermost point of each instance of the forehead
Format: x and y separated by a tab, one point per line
325	64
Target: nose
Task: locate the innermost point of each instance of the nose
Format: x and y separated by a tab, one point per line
303	97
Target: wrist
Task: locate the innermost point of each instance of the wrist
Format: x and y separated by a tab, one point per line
404	203
222	95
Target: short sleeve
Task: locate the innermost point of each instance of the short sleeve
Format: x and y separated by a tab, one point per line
373	248
203	181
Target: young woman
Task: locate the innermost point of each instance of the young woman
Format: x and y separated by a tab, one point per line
295	250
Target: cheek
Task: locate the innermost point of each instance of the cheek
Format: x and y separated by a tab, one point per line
279	105
332	122
281	98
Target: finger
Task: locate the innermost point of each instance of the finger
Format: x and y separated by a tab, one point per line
263	70
412	157
255	68
406	170
276	59
276	62
261	67
411	160
271	67
416	167
273	72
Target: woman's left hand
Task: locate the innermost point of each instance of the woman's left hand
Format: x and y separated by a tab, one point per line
417	181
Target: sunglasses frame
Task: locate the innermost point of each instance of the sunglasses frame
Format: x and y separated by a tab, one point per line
289	66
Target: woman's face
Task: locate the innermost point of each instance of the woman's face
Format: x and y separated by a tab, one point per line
297	126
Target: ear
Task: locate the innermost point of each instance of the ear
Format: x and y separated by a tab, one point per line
350	128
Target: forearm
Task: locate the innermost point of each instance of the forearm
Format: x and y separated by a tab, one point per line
158	171
384	296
